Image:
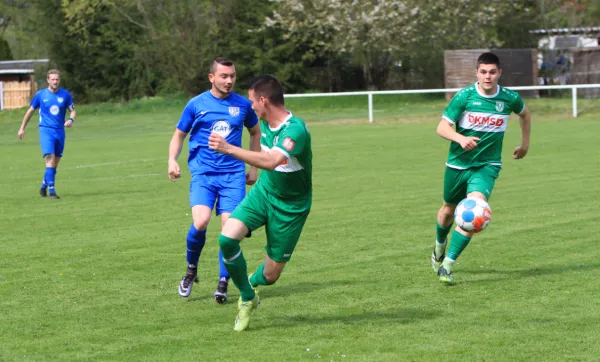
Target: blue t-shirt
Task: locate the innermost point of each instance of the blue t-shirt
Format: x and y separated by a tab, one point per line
53	107
206	113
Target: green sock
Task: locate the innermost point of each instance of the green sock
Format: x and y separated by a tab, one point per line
457	245
236	266
441	232
258	278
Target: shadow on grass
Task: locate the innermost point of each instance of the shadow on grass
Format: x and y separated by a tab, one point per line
504	274
289	288
348	318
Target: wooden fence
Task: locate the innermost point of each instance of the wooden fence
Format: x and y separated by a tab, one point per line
17	94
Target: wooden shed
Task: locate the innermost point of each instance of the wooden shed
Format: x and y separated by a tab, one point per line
17	83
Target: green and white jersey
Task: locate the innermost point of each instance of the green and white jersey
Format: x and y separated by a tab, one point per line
479	115
293	178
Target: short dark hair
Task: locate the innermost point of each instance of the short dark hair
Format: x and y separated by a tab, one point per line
269	87
220	60
488	58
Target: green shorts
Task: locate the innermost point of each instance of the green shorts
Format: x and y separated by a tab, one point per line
459	183
283	220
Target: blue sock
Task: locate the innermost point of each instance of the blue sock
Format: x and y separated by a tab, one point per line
46	177
50	178
223	273
195	242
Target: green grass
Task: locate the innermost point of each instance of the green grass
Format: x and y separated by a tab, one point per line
93	276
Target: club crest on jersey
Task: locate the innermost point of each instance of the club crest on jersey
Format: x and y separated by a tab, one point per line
288	144
234	111
222	128
60	99
499	106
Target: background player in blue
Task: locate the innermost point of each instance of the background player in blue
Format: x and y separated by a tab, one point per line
53	103
216	178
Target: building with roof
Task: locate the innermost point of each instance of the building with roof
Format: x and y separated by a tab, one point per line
17	83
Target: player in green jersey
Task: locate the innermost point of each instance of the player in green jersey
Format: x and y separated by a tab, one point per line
280	200
480	113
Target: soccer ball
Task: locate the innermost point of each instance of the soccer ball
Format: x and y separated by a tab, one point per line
473	214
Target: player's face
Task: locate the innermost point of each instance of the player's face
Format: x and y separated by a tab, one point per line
223	79
53	81
488	75
258	104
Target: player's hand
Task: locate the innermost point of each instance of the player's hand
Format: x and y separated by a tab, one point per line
174	170
68	123
520	152
218	143
251	176
469	143
21	133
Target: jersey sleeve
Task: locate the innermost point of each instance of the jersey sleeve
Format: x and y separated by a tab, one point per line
517	104
35	102
70	104
292	140
251	118
456	107
186	121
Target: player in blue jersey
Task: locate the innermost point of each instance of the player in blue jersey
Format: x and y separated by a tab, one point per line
53	103
217	180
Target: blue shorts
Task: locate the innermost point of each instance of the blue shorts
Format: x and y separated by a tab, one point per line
52	141
226	189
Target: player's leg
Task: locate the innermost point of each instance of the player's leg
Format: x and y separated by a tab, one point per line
455	189
283	232
248	215
232	189
480	185
47	146
202	197
58	137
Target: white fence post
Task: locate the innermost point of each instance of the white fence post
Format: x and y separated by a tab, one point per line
574	94
1	96
370	107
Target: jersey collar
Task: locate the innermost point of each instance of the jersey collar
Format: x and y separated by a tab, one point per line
282	123
485	95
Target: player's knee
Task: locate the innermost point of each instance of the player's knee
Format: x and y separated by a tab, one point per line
201	224
230	247
447	210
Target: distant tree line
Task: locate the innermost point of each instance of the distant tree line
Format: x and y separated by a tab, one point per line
124	49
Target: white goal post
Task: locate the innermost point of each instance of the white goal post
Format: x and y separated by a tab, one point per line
370	94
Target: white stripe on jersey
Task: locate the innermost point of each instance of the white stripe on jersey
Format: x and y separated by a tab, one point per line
484	122
291	163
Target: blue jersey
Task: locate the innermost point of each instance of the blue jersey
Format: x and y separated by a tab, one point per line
206	113
53	107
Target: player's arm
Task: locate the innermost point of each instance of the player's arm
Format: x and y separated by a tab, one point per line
445	130
174	150
255	134
72	116
264	160
26	119
525	121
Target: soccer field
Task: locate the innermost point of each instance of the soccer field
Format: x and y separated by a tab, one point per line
93	276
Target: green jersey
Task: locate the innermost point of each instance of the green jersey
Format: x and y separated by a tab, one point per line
479	115
292	179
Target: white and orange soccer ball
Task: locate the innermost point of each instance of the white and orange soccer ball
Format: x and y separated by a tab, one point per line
473	214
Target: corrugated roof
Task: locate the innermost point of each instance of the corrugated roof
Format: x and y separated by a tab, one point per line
565	31
21	66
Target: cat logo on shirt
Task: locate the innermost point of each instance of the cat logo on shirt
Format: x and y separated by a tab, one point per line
288	144
222	128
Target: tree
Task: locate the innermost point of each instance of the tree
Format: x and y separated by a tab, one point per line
373	32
